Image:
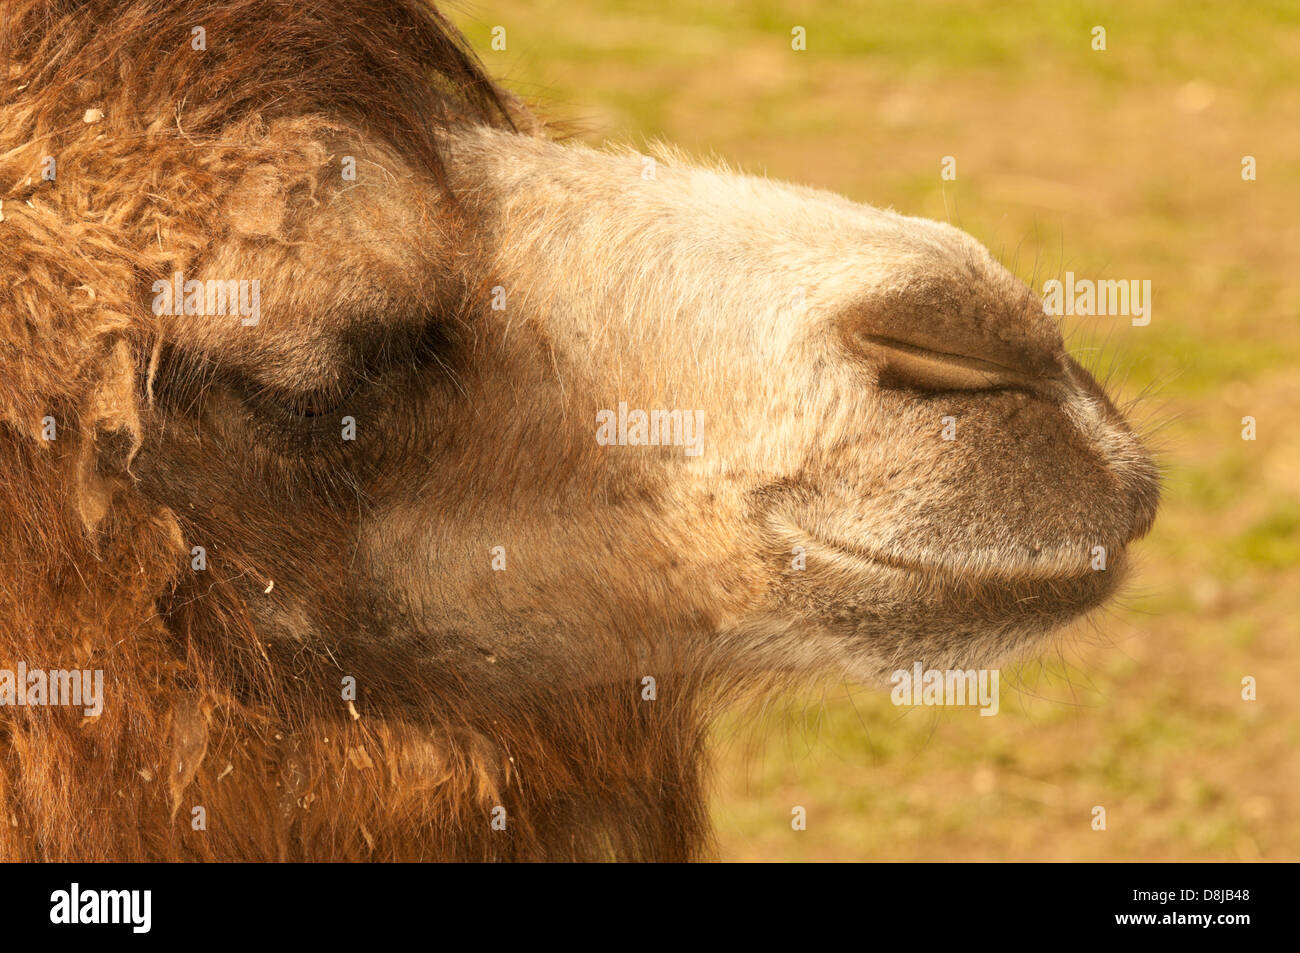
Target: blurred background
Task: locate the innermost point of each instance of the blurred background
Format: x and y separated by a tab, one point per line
1123	163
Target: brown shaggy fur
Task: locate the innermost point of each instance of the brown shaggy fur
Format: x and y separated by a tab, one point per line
94	577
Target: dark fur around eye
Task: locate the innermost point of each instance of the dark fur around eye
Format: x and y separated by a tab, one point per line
182	377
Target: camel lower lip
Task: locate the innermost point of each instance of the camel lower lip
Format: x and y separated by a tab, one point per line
991	570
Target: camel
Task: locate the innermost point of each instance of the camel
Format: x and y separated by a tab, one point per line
528	457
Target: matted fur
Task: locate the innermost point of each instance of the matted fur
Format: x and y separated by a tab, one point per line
200	711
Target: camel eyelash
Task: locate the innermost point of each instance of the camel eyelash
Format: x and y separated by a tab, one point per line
315	404
302	427
362	370
303	418
405	354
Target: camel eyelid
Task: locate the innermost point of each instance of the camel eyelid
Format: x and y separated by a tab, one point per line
368	366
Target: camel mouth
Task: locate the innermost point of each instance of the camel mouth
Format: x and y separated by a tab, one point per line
1028	565
1034	565
1038	591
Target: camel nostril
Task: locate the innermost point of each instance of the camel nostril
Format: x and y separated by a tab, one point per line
975	328
905	365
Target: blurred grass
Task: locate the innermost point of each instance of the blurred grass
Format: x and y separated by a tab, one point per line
1123	163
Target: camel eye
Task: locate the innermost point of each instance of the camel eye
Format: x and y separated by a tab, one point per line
373	371
312	404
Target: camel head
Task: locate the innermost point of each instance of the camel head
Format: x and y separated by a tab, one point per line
731	422
535	402
427	391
